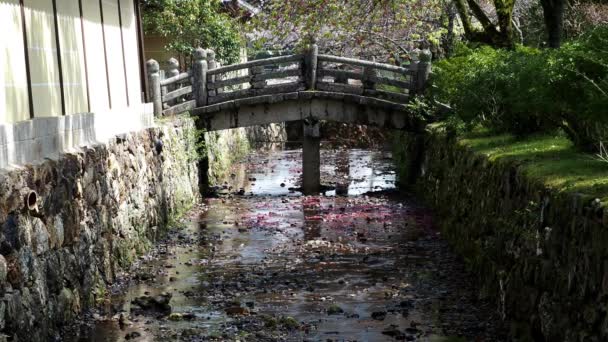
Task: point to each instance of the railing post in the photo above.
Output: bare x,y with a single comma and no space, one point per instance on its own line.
213,64
220,77
413,77
199,77
172,70
311,67
154,83
368,78
424,70
420,70
256,83
163,89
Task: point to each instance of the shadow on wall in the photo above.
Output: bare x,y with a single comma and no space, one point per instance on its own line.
49,73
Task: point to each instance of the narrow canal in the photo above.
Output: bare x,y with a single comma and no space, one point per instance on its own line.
261,262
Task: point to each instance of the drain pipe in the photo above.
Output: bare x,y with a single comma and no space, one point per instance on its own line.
31,201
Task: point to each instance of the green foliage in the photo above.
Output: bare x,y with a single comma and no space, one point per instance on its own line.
421,107
484,86
526,90
579,87
191,24
200,146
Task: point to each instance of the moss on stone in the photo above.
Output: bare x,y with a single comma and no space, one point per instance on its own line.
289,323
551,159
224,148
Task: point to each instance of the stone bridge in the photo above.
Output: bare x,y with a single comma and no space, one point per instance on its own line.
308,87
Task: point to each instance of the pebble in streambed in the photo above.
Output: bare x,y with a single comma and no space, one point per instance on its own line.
278,266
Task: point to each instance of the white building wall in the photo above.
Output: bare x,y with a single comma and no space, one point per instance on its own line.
101,86
72,57
93,32
14,101
116,68
43,61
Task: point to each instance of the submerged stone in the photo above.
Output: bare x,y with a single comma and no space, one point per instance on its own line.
335,310
379,315
158,303
237,311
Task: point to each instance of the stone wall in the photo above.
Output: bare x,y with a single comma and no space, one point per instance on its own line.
271,133
543,255
96,209
223,148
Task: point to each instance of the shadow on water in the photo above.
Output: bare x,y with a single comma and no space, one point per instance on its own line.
262,262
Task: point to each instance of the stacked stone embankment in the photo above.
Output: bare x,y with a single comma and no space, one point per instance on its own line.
541,254
90,213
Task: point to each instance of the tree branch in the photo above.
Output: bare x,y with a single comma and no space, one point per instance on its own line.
480,15
393,41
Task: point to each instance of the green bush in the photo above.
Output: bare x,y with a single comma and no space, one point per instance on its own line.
495,88
579,88
527,90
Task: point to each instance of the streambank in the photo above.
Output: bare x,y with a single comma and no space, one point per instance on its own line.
87,216
537,245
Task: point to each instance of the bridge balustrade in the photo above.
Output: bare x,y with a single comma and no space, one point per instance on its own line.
208,83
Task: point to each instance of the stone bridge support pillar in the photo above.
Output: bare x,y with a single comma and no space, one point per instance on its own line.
311,157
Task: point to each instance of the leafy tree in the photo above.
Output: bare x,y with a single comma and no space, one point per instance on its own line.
384,29
525,90
193,23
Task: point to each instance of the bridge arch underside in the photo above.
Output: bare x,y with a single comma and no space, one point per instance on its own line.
308,105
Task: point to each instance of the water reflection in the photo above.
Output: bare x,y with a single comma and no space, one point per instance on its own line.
346,172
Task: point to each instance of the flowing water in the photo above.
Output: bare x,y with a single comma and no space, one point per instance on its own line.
261,262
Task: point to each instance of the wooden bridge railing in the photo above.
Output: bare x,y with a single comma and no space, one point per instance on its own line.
209,83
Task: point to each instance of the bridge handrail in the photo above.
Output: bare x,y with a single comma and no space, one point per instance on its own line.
175,79
206,84
254,63
363,63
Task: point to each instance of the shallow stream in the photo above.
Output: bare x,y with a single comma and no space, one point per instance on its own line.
261,262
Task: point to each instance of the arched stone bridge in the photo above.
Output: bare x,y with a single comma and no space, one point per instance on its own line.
308,87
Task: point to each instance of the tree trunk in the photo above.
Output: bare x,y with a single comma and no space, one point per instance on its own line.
490,34
449,39
464,17
504,13
553,11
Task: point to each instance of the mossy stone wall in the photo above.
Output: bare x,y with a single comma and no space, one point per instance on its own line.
223,149
541,254
97,209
